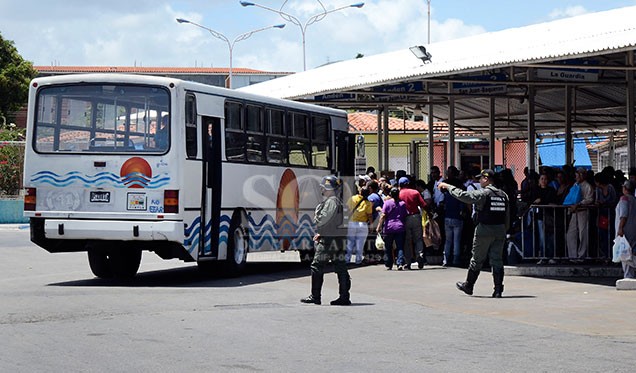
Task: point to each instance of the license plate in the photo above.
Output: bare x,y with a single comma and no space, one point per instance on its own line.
100,197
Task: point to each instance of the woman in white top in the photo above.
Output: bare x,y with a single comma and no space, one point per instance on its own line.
626,224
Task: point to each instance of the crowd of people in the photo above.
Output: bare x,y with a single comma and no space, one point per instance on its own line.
477,211
566,214
574,210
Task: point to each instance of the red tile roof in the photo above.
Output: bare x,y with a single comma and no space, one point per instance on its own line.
152,70
367,122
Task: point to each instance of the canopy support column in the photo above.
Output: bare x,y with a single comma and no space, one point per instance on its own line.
631,129
532,135
431,137
385,129
491,135
451,128
380,160
569,144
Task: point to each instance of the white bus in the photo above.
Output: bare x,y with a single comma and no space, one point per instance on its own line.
116,164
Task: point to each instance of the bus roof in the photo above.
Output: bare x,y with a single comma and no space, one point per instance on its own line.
194,86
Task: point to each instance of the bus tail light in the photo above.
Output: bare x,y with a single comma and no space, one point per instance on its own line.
29,199
171,201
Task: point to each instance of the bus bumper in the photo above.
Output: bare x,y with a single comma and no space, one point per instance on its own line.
131,230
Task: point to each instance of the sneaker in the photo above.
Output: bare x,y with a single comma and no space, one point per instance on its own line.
389,268
541,262
400,268
552,261
341,302
310,300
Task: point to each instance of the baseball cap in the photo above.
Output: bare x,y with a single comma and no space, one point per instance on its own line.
487,173
581,170
403,180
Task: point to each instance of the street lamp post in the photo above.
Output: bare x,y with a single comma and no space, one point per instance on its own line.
428,2
230,44
303,26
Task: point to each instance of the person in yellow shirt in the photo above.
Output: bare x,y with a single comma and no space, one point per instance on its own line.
360,216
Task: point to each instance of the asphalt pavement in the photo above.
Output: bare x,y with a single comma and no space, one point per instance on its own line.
55,316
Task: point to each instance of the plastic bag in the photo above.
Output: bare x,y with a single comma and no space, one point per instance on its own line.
432,235
379,242
622,251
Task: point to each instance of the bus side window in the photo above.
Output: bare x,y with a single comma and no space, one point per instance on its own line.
191,126
255,137
320,142
276,140
235,142
299,144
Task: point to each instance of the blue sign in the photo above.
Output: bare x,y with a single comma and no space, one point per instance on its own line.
401,88
480,87
336,97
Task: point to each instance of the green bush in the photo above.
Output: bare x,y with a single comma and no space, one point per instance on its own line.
11,161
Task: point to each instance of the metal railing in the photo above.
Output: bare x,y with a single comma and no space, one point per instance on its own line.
552,233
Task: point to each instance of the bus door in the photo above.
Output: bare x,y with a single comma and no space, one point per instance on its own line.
202,176
344,153
211,194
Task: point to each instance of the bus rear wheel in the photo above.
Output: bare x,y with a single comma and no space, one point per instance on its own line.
237,246
125,262
100,262
121,262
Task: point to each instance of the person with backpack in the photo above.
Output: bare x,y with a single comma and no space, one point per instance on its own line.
328,218
492,207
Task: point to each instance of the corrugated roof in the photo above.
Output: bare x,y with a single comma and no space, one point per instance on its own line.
151,70
581,36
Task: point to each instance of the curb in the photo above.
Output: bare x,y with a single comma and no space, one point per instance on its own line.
564,271
13,227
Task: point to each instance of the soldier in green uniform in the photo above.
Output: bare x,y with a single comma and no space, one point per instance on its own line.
328,244
491,205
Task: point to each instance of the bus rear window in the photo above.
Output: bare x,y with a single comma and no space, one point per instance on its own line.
95,118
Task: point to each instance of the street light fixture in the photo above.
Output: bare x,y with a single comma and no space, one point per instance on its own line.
420,52
303,27
230,45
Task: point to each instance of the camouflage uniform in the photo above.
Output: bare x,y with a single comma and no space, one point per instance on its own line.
329,247
490,233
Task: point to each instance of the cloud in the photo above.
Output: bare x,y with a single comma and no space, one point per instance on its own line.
570,11
380,26
144,32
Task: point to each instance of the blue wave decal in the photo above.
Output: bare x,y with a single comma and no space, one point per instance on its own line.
99,179
266,231
191,241
224,228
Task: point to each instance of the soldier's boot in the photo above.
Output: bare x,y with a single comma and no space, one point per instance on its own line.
344,285
468,285
497,277
316,289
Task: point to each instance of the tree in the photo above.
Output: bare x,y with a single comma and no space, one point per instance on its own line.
15,75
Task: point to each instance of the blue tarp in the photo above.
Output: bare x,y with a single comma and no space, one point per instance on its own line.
552,152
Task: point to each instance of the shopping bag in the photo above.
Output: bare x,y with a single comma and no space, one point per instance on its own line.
622,251
379,242
432,234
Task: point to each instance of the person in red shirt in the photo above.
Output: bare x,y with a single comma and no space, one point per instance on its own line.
414,242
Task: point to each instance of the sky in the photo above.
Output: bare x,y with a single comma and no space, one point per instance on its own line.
145,32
